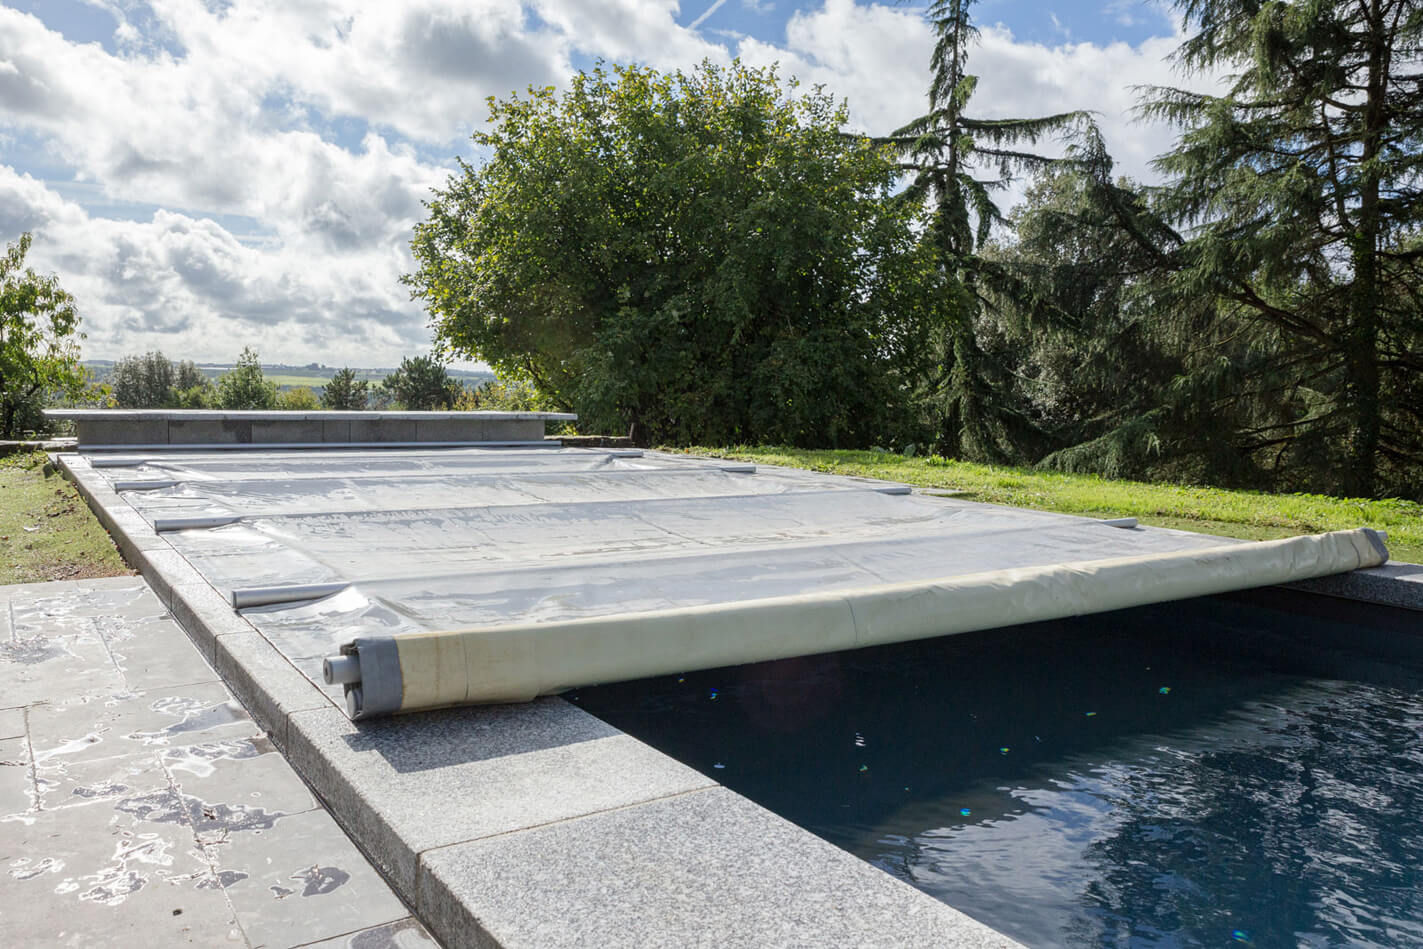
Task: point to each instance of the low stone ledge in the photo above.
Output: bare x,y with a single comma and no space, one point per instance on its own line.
199,427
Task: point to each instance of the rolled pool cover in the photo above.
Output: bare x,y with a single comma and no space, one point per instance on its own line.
519,662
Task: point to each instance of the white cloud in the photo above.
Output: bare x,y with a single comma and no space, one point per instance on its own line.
187,286
311,123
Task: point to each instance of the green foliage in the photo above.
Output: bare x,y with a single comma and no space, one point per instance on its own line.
39,342
686,256
958,162
1244,514
421,383
344,392
153,381
187,376
244,387
500,395
1295,198
201,396
299,399
141,382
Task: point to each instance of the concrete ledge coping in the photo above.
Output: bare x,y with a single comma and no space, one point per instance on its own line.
264,415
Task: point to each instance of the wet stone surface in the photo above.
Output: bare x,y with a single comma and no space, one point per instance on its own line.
141,806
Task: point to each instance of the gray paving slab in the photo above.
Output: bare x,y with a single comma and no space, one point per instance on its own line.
402,934
407,784
145,810
62,783
646,875
12,723
17,787
120,874
155,653
105,726
36,668
302,880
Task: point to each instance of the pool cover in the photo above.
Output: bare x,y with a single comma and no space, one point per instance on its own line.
422,578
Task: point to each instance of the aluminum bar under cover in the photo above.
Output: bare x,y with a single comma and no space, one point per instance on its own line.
519,662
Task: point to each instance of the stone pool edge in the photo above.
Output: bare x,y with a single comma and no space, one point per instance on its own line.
477,870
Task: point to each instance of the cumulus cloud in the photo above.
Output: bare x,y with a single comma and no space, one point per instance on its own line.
187,286
248,171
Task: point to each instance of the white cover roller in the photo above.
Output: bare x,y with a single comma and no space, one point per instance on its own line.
518,662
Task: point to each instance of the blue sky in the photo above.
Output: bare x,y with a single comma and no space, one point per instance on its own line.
209,174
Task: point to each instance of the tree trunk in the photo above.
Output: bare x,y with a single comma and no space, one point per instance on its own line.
1361,360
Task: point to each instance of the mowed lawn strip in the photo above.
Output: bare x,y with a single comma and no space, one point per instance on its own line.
47,532
1245,514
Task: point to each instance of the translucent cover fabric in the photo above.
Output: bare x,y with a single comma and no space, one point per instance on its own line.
427,541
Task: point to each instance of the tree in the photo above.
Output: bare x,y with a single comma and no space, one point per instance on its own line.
948,150
244,387
691,257
39,341
187,375
298,399
421,383
142,382
1294,202
344,392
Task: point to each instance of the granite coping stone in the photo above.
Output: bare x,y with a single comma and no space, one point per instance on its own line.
406,784
647,875
1395,584
267,683
207,615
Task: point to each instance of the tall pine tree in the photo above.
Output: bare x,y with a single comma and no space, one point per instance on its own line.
959,162
1295,202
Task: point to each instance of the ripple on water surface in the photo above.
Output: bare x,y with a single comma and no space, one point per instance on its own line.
1238,771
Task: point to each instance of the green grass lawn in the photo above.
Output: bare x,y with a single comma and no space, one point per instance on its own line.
47,532
1245,514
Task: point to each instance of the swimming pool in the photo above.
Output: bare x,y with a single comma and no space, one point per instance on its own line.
1233,770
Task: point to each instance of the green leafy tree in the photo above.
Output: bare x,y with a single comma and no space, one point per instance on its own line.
244,386
421,383
201,396
1294,199
39,342
153,381
1099,382
142,382
958,162
698,256
345,392
298,399
187,375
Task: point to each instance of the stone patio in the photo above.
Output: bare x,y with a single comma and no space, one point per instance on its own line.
141,805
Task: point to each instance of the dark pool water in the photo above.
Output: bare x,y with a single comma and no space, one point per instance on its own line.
1230,771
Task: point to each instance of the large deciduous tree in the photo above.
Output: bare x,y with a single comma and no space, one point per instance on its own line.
697,256
39,341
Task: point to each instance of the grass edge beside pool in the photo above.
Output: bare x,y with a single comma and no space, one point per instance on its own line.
47,532
1248,515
